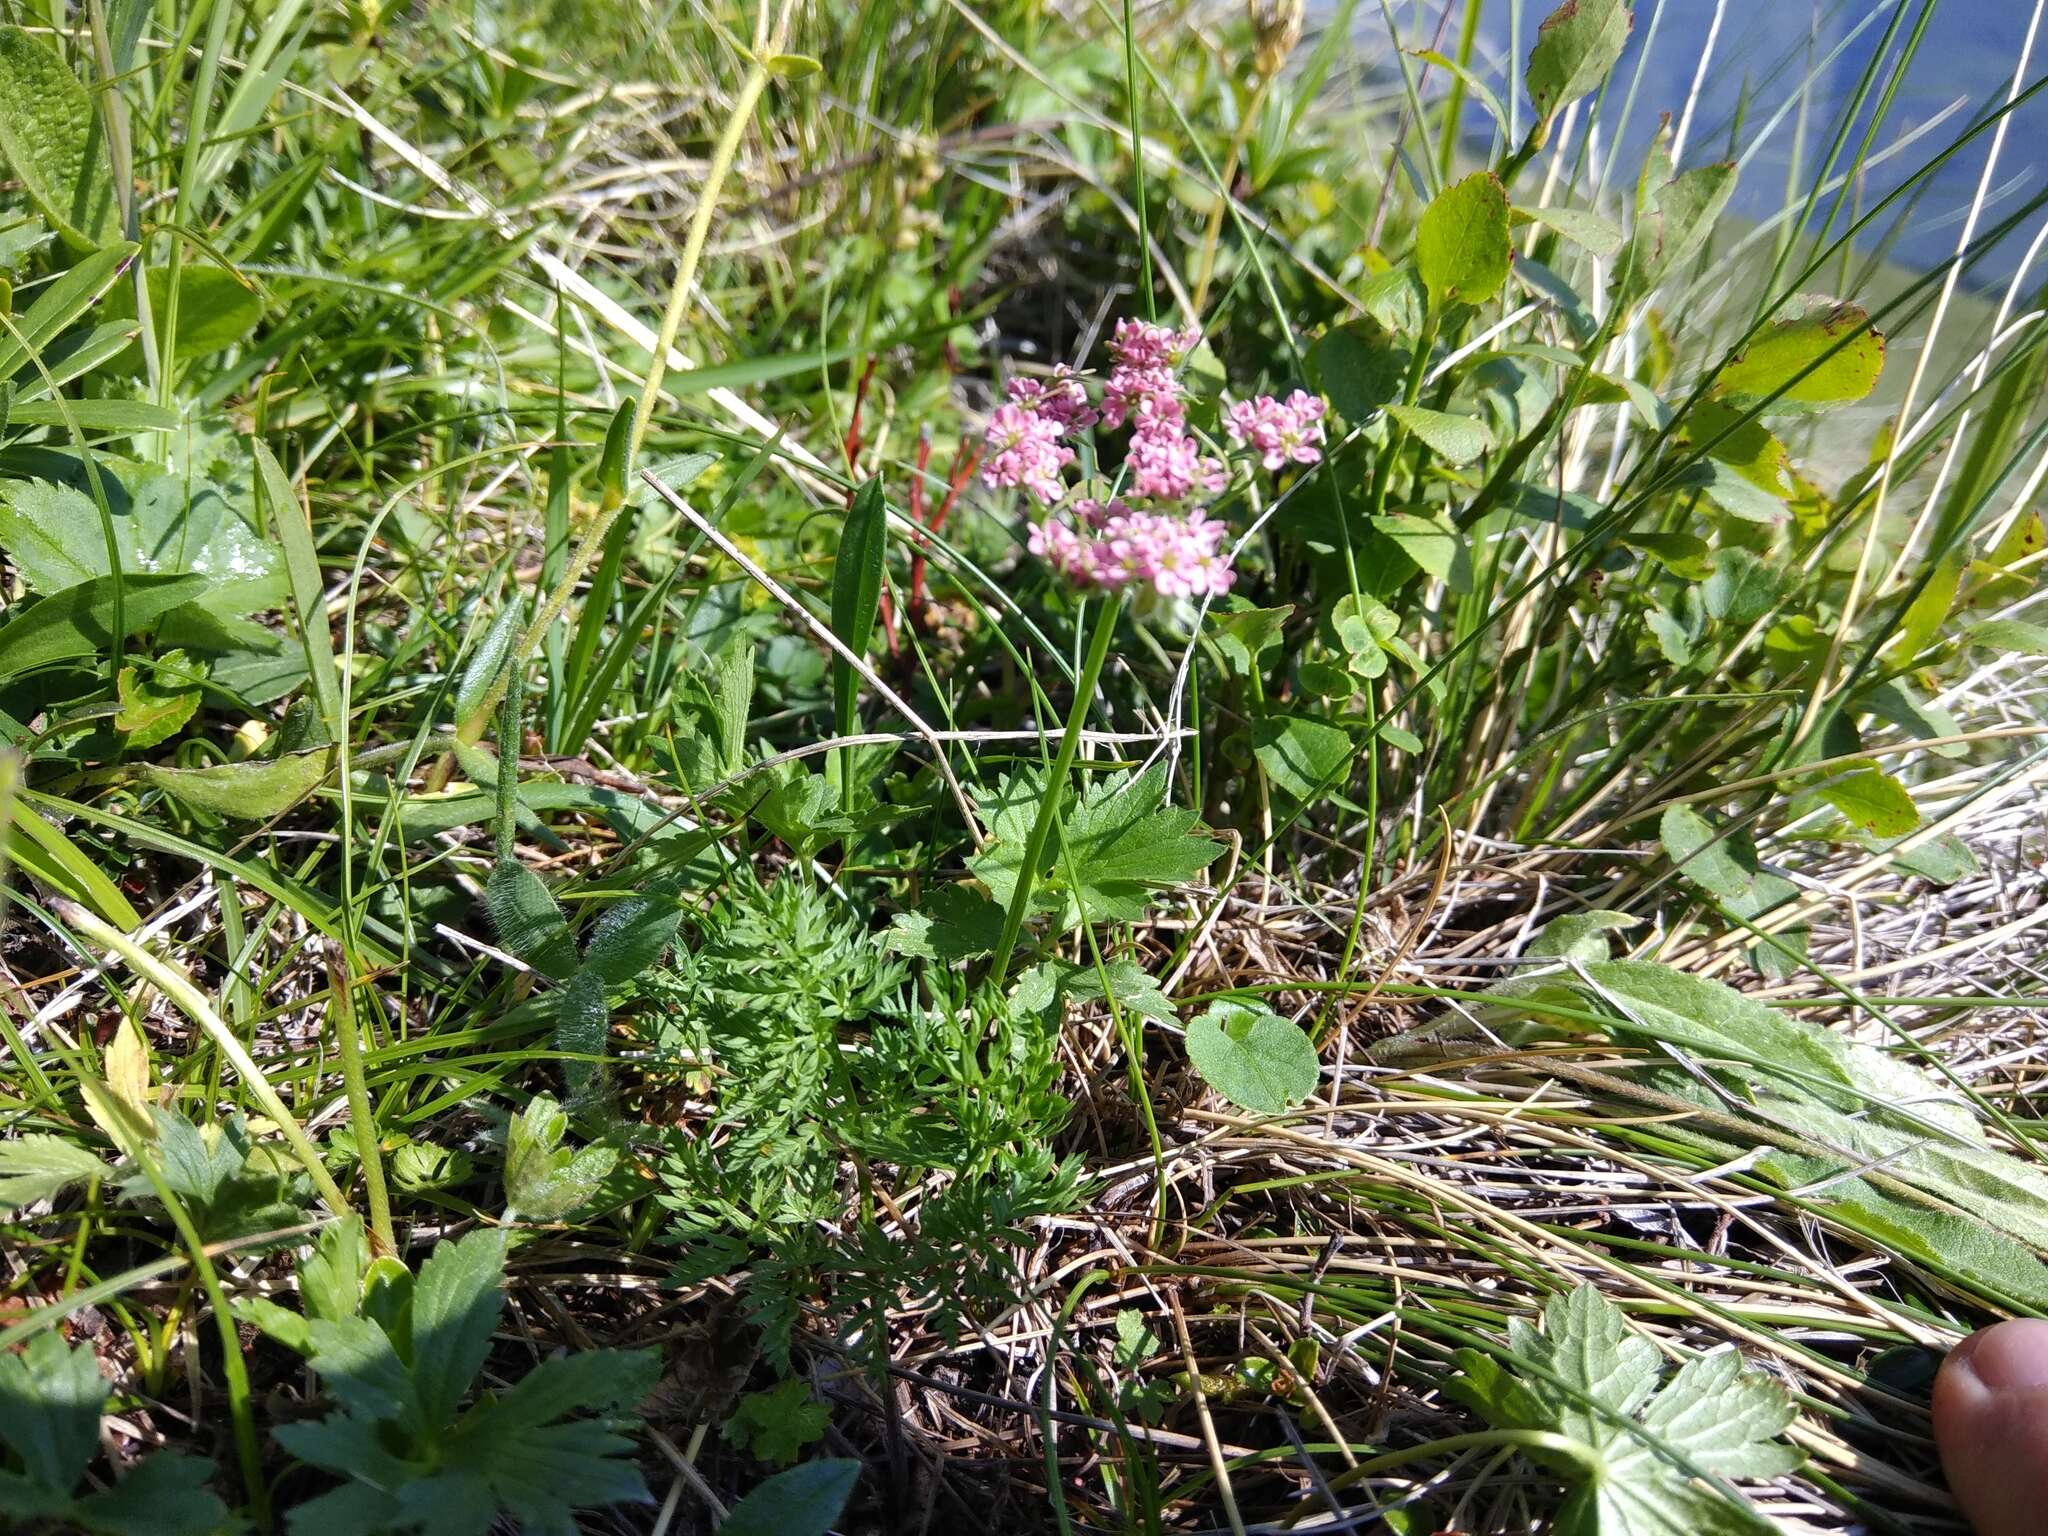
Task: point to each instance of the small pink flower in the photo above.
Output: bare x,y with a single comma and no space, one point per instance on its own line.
1140,395
1165,464
1279,431
1061,398
1139,344
1024,449
1176,555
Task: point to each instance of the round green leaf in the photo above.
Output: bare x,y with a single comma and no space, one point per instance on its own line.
1462,246
1826,355
1873,801
1255,1059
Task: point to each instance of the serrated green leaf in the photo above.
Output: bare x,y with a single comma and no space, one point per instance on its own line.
37,1166
50,1401
1576,45
156,704
1050,985
1463,249
1125,845
163,1494
1255,1059
1634,1453
956,923
163,525
455,1307
777,1424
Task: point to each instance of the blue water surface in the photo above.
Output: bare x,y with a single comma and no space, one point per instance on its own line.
1762,51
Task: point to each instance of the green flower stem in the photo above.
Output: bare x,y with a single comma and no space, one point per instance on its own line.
1062,765
341,975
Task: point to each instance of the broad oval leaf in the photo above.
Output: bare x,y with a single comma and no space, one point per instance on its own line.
1871,800
217,307
1304,757
1576,45
1359,367
1600,235
1255,1059
1454,439
1826,355
1462,246
50,134
804,1501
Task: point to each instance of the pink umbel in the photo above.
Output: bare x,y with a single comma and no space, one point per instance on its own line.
1279,431
1178,554
1024,449
1156,540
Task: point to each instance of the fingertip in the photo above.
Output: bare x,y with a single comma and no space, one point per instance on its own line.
1991,1426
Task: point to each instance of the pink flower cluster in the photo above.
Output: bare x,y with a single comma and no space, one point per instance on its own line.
1173,548
1177,554
1280,431
1024,448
